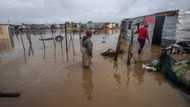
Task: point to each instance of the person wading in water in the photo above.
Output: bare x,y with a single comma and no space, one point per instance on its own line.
86,49
142,36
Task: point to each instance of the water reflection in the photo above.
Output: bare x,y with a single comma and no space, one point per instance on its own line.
115,65
66,43
5,45
17,33
44,46
23,46
116,74
117,77
55,53
61,47
128,76
87,83
28,38
139,73
30,48
71,45
159,78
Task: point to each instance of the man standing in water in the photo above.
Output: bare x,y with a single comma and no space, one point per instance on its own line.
86,50
142,36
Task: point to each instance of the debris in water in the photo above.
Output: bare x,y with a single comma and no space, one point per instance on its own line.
153,66
185,45
59,38
148,67
111,53
103,41
9,94
46,39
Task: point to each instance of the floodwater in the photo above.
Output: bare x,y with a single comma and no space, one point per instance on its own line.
47,77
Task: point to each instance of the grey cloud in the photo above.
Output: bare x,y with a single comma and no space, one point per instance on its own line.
55,11
142,7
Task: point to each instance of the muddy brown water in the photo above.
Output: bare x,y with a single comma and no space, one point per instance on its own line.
48,79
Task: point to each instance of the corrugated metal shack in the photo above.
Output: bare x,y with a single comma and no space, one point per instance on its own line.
183,28
162,27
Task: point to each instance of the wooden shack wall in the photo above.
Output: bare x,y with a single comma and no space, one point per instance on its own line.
5,38
4,32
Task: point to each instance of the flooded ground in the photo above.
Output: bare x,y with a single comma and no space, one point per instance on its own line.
49,78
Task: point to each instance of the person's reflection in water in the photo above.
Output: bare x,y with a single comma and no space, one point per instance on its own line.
24,49
128,76
116,74
115,65
87,83
30,48
159,78
138,73
117,77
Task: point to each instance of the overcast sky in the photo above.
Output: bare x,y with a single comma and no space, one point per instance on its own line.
59,11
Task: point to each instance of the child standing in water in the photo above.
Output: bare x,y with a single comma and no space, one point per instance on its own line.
87,49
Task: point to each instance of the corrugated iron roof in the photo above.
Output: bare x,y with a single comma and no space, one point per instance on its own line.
164,13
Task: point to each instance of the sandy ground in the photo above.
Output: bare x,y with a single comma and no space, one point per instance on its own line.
47,79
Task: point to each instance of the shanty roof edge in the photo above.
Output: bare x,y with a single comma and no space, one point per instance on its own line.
164,13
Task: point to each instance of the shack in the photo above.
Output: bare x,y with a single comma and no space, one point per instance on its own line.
162,27
6,40
183,27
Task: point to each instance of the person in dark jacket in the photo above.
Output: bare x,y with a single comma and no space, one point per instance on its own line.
87,49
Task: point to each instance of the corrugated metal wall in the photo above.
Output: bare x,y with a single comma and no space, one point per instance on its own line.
183,29
169,30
